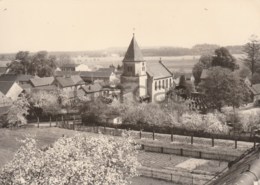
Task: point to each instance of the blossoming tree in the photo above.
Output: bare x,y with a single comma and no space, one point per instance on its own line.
79,160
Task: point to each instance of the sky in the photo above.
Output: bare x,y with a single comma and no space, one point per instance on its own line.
78,25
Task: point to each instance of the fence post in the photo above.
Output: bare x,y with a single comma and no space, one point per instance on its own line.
50,121
171,177
140,134
161,149
235,143
212,141
254,141
38,122
191,139
181,151
171,136
153,134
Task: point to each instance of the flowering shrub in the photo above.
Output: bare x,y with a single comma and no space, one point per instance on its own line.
249,120
211,122
73,161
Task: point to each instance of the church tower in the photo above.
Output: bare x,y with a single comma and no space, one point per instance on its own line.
134,77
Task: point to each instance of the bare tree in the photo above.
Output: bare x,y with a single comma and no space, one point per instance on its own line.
252,52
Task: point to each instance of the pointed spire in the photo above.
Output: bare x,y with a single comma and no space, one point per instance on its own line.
133,53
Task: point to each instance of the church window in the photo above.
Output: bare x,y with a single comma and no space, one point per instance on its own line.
155,86
163,84
166,83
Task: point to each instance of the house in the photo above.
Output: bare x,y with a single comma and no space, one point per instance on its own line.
144,80
18,78
4,101
255,90
44,83
75,67
104,75
10,89
69,83
92,90
3,70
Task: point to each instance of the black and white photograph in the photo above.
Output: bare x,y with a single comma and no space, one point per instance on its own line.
129,92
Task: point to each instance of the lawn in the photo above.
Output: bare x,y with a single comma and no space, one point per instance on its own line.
9,139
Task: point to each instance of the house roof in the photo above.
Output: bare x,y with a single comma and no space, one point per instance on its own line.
69,65
133,53
256,89
42,81
77,80
157,70
204,74
4,110
65,82
96,74
2,70
66,73
5,86
96,87
17,78
242,172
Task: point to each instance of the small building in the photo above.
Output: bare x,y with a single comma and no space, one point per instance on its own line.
112,119
19,79
10,89
45,83
74,67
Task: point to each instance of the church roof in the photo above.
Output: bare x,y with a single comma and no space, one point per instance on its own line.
133,53
157,70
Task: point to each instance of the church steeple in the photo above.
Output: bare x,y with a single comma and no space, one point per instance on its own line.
133,53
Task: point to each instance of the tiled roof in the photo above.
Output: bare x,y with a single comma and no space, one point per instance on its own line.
47,87
3,70
17,78
157,70
256,88
5,86
65,82
92,88
133,52
66,73
77,80
42,81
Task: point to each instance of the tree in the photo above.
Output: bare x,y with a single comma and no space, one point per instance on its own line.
18,111
252,52
205,62
222,87
77,160
224,59
44,102
40,64
21,64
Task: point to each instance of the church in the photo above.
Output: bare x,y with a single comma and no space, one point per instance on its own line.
144,80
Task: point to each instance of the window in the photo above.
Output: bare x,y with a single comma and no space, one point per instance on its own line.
155,86
163,84
159,85
170,82
166,83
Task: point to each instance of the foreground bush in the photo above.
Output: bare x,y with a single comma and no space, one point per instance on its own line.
73,161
